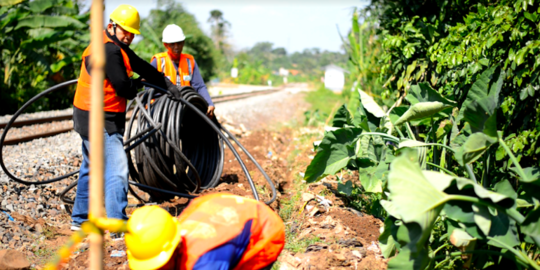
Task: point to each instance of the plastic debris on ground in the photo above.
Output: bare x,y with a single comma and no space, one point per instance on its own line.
9,217
118,253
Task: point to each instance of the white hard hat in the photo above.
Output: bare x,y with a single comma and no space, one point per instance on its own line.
173,33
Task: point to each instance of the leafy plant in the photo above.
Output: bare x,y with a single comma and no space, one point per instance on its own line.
41,45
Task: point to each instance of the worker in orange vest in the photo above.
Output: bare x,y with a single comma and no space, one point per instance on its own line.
118,87
179,67
215,231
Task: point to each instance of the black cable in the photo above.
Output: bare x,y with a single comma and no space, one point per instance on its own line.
168,153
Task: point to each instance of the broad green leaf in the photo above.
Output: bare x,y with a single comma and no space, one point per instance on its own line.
461,239
447,183
503,229
38,6
416,200
414,196
481,89
386,240
531,225
406,260
532,174
482,218
480,119
370,105
459,211
421,110
346,188
390,208
333,154
342,117
423,92
397,112
504,187
41,21
473,148
372,178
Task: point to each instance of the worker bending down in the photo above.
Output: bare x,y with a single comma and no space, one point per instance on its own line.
217,231
179,67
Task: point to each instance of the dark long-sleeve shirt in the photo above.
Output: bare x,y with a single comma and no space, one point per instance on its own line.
115,71
197,81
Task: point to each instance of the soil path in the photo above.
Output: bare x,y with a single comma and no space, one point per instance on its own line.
319,236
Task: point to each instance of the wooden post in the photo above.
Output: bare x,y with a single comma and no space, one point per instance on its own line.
97,119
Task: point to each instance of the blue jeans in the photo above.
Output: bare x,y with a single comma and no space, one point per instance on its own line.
116,179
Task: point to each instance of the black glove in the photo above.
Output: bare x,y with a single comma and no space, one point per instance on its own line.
136,83
174,92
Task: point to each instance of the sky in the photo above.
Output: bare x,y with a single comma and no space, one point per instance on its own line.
294,25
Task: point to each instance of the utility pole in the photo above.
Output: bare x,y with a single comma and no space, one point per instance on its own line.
96,130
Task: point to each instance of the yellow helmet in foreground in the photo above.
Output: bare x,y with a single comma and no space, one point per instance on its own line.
127,17
153,235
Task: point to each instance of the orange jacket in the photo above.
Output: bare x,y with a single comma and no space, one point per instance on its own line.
185,68
213,220
113,103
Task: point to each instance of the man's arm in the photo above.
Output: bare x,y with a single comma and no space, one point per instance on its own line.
115,71
198,84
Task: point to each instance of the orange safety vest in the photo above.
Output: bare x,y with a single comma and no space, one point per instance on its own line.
185,69
113,103
213,220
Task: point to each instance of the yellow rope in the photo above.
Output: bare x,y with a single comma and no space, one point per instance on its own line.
93,225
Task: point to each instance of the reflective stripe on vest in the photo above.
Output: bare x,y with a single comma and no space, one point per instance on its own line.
112,102
183,77
212,220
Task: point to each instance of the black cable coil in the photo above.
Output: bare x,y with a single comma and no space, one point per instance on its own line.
199,164
170,159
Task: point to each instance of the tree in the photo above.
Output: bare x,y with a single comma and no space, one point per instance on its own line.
197,43
219,30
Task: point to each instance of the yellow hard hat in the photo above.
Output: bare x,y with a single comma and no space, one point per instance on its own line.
152,237
128,17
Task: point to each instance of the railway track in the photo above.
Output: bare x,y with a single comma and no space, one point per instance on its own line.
11,140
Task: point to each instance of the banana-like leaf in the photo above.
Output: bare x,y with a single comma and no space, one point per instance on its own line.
480,119
44,21
370,105
38,6
485,86
333,154
473,148
422,110
423,92
342,117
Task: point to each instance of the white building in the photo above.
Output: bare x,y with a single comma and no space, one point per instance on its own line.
334,78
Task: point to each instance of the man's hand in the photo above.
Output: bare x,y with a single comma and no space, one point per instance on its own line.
174,92
210,112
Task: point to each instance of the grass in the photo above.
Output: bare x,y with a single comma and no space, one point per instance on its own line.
325,100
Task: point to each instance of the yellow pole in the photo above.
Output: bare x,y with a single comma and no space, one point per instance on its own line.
97,59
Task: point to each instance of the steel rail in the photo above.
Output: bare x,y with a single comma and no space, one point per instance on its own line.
65,117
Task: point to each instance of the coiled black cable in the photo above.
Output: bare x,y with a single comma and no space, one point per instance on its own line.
186,163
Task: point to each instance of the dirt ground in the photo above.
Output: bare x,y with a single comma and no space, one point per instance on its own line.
323,231
319,237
